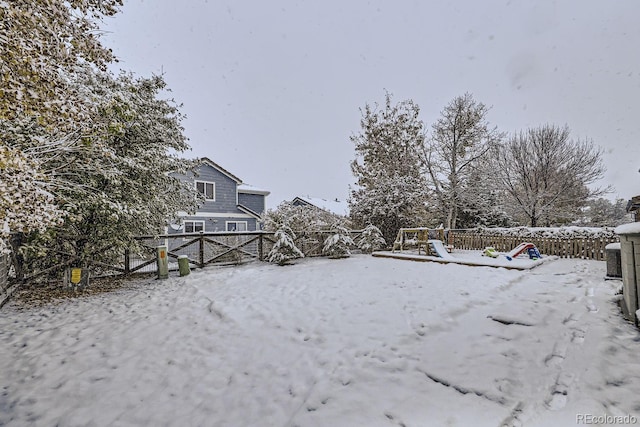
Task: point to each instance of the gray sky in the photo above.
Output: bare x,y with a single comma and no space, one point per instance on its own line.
272,90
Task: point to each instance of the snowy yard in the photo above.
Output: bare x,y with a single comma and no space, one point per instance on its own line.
357,342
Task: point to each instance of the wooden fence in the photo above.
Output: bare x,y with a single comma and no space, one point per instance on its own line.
579,247
202,249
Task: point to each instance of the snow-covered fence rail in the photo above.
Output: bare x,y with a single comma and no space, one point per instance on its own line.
564,247
201,249
204,249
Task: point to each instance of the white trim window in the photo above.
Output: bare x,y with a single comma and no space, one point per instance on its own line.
236,225
207,189
193,226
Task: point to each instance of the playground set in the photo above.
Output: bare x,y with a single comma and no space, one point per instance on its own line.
434,245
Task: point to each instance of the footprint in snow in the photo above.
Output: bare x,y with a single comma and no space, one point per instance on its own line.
591,307
557,401
577,336
560,392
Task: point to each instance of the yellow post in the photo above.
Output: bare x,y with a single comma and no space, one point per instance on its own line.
163,262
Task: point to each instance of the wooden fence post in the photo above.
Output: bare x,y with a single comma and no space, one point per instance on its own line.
127,259
260,248
201,251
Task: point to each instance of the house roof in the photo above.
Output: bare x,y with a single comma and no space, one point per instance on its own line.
633,204
214,165
336,206
250,189
251,212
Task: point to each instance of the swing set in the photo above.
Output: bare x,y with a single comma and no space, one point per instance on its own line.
410,238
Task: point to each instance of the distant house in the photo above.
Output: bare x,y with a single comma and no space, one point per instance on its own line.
230,205
634,206
336,207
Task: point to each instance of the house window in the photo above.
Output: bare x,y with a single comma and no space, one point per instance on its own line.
193,226
236,225
207,189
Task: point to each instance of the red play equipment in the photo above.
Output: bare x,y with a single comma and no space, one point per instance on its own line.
529,247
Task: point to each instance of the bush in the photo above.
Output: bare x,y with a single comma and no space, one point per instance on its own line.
284,250
371,239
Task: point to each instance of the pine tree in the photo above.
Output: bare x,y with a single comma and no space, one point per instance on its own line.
337,244
390,185
371,239
484,202
284,250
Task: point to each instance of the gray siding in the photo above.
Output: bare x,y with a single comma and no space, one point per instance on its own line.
216,224
255,202
225,205
225,190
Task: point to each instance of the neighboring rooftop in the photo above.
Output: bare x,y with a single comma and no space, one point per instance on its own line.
633,204
338,207
246,188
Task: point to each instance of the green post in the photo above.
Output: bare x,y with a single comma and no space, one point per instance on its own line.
163,262
183,265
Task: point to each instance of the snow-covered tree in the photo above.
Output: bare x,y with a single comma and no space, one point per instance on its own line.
547,174
484,202
337,244
601,212
390,185
300,218
460,138
371,239
284,249
25,204
43,42
113,175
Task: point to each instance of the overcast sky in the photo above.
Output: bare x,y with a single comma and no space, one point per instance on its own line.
273,90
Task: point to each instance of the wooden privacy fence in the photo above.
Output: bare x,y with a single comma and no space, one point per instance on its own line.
578,247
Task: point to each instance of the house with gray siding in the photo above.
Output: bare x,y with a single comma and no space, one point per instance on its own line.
229,204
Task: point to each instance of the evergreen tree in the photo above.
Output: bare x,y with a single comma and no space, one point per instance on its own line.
390,185
601,212
484,202
284,249
371,239
337,244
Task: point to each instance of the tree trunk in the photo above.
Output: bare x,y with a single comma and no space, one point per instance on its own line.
16,257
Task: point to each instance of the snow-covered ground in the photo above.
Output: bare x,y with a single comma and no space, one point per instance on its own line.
354,342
